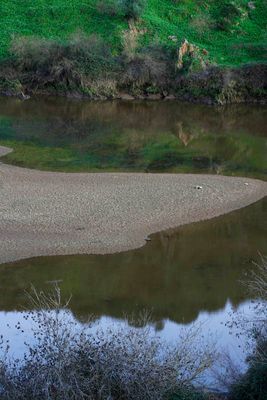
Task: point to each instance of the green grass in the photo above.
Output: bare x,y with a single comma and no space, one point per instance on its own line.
192,19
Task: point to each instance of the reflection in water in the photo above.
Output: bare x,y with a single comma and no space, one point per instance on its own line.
177,275
211,327
184,275
150,136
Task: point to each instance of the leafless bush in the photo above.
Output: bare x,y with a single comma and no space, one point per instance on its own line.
252,328
253,383
68,362
226,372
48,63
144,71
254,325
258,287
258,282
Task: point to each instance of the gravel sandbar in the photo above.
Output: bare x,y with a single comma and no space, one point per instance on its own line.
48,213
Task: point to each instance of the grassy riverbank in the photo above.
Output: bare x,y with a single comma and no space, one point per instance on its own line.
232,35
100,49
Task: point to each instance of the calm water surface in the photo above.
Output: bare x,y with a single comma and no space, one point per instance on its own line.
177,275
182,276
69,135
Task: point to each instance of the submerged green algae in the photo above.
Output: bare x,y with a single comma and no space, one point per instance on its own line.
75,136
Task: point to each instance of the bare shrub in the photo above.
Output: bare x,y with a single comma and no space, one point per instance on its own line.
31,52
47,63
69,362
151,68
253,329
258,283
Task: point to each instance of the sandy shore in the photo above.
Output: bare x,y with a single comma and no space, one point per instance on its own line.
46,213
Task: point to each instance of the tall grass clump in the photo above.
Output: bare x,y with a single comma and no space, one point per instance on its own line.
69,362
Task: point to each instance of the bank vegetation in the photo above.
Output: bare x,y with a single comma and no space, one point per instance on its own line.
135,61
65,361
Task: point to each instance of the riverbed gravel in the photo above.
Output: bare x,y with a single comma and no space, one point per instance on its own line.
48,213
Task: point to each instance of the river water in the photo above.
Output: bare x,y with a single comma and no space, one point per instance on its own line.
183,276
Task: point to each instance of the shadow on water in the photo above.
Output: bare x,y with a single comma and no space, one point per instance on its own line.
177,275
72,135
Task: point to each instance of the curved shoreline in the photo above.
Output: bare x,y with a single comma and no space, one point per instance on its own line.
50,213
5,150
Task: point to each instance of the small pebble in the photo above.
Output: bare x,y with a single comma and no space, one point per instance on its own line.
198,187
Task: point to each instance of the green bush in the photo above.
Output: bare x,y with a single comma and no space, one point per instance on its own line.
11,87
91,54
226,14
132,9
128,9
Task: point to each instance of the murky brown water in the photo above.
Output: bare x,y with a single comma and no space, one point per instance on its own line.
177,275
72,135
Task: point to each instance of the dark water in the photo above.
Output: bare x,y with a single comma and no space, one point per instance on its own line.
72,135
186,276
177,275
